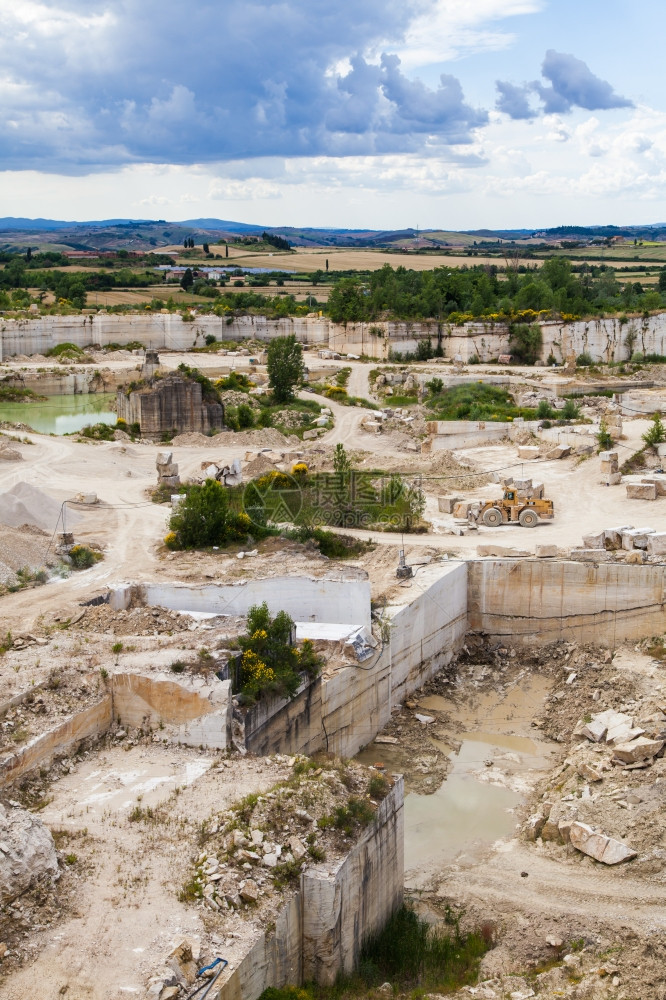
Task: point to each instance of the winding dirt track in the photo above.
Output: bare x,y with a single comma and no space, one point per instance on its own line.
552,887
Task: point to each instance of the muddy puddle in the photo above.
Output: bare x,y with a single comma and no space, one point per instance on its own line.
494,757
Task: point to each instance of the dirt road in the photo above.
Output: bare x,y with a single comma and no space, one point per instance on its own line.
553,887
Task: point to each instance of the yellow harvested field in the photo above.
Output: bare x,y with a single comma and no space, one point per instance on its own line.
349,259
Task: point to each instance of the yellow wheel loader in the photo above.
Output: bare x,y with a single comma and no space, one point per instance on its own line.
512,509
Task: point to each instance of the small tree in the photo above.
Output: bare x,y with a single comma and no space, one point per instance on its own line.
655,434
204,518
544,411
603,437
270,660
285,367
570,411
187,280
525,342
341,461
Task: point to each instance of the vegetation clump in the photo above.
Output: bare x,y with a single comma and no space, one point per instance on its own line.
655,434
271,661
205,518
410,954
83,557
284,361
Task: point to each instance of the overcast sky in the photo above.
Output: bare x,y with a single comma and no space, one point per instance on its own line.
452,114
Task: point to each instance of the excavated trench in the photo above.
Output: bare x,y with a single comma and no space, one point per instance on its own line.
468,771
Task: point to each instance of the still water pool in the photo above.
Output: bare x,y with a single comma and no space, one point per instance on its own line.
61,414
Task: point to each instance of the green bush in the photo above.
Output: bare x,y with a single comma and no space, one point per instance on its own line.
544,410
525,341
330,544
205,518
435,386
270,661
655,434
98,432
570,411
584,360
245,415
83,557
378,786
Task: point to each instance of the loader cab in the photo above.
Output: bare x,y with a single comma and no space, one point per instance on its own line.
509,495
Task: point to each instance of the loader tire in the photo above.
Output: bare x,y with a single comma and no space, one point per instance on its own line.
492,518
528,518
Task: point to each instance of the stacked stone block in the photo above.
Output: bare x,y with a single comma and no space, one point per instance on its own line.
167,470
610,468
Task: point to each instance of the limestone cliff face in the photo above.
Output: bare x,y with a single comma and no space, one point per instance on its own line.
170,404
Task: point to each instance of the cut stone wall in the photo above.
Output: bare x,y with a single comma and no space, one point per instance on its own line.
345,904
284,725
58,742
537,602
445,435
320,930
422,637
201,709
172,403
603,339
342,597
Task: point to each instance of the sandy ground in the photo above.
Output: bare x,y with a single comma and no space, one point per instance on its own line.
559,893
129,526
125,915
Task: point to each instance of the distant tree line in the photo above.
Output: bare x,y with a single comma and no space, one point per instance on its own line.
484,291
279,242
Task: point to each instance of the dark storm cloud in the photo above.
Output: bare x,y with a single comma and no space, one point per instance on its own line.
90,85
571,84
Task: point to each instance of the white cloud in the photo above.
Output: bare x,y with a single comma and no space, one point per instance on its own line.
446,29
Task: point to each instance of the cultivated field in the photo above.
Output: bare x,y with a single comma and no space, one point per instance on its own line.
349,259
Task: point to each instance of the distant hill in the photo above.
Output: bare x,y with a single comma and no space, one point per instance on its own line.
146,235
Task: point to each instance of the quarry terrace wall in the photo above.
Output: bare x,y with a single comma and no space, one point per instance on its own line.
537,601
320,930
343,712
603,339
342,597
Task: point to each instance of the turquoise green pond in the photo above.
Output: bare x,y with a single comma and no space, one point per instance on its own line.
61,414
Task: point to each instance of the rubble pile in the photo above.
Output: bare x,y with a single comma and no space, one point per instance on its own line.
259,846
624,543
134,621
45,706
253,854
606,798
228,475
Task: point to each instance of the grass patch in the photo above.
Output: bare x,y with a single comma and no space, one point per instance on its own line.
476,402
410,954
13,394
67,350
349,818
330,544
25,578
635,462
